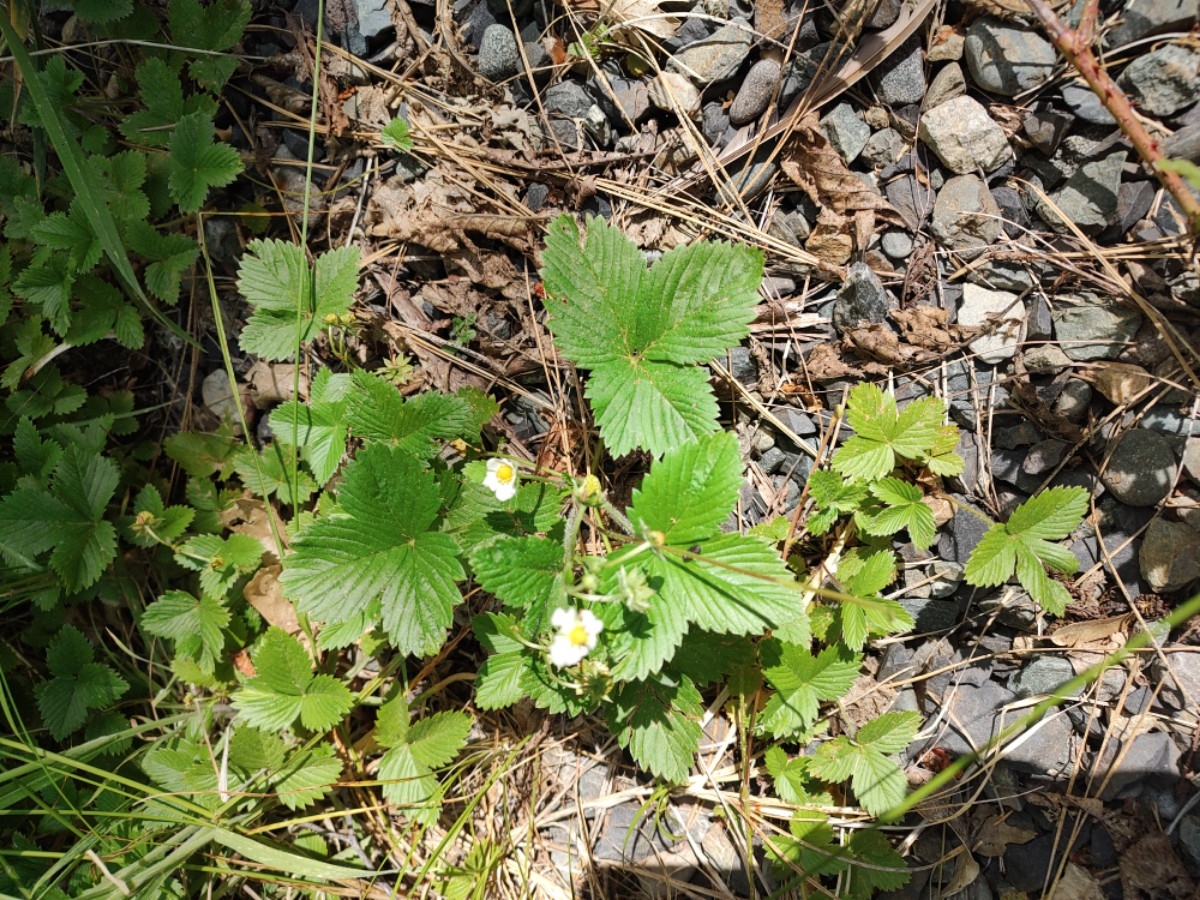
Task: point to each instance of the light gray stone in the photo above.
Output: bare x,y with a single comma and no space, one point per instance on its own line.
499,57
715,57
965,215
847,132
981,306
1191,459
569,99
1163,81
1007,58
374,17
755,93
1181,679
896,244
1141,469
1092,327
1088,199
1170,555
964,136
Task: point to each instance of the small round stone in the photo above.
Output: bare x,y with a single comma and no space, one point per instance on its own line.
1141,470
755,93
499,57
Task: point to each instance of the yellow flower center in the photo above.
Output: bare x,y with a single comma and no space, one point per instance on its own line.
505,473
578,636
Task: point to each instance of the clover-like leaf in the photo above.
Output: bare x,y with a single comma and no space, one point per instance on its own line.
884,434
285,688
802,681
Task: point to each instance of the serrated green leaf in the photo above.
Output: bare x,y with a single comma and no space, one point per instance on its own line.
877,781
99,11
659,726
882,433
79,685
438,738
1022,545
196,163
318,427
503,675
395,135
905,509
890,732
275,278
162,93
641,331
285,687
381,546
213,26
874,865
307,776
802,681
690,491
523,572
793,781
252,749
706,658
375,411
405,782
1051,515
808,850
194,623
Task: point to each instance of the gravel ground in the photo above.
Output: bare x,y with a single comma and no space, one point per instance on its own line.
978,228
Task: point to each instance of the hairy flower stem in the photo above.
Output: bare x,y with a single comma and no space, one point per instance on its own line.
1076,45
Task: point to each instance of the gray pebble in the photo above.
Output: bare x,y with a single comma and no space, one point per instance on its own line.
1169,558
847,132
1092,327
1045,128
755,93
965,215
1042,675
901,78
897,244
1142,17
1082,101
1007,58
716,57
499,57
1089,198
1141,469
1163,81
883,148
948,83
862,297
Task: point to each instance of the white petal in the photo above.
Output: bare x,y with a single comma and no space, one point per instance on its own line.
564,654
563,618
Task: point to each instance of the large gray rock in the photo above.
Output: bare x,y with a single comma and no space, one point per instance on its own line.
964,137
1089,199
1042,675
1007,58
1163,81
1141,469
716,57
1170,555
965,215
981,306
1092,327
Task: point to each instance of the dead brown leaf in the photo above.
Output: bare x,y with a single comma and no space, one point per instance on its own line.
265,594
272,383
1094,631
925,326
824,363
1150,869
1118,382
251,516
867,699
878,342
996,834
966,870
1077,883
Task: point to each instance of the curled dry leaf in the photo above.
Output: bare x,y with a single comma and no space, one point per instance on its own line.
272,383
1120,383
643,14
265,594
996,834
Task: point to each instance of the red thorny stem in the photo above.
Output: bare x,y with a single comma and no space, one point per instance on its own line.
1076,45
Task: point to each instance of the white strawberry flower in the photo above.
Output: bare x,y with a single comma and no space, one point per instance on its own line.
577,633
501,478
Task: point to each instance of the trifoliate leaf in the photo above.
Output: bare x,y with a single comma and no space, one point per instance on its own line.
79,685
307,776
1023,545
690,491
203,455
883,434
395,135
197,164
172,255
375,411
153,522
942,459
793,781
832,498
49,285
319,427
802,681
271,472
275,278
285,687
878,781
415,750
194,624
863,575
162,93
809,849
904,509
220,561
381,545
642,332
523,572
68,519
72,233
659,725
